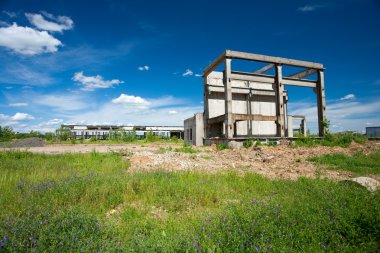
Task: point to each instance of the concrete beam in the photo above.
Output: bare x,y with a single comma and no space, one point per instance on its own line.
271,59
242,117
241,90
214,64
303,73
300,83
254,117
264,69
244,76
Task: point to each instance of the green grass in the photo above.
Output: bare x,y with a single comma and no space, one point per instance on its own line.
330,140
358,163
62,203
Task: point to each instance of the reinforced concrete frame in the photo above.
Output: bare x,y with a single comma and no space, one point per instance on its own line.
278,80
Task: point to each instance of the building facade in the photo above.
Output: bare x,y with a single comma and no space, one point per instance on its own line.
102,132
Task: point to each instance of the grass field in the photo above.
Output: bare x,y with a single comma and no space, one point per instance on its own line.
89,202
358,163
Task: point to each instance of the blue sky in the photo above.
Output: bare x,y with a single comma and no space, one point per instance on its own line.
139,62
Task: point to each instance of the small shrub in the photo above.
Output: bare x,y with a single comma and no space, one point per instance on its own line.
93,139
221,146
248,143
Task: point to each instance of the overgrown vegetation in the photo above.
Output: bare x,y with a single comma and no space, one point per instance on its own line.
7,134
342,140
63,136
89,202
359,163
186,148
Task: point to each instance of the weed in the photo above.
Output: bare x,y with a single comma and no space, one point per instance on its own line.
358,163
221,146
60,203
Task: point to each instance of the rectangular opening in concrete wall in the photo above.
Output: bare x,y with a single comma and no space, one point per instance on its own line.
302,101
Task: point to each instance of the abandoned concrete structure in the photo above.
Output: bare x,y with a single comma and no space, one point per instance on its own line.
241,105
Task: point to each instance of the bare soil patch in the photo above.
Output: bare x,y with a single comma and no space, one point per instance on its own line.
273,162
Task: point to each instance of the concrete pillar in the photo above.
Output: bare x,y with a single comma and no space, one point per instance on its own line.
303,124
206,109
279,88
321,101
290,126
228,100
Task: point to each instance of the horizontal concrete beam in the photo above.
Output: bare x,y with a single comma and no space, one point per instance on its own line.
244,76
298,82
271,59
255,117
241,90
242,117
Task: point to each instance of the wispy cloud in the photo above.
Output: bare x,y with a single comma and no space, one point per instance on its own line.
18,104
27,41
17,73
348,97
343,114
143,68
309,8
10,14
55,24
188,72
91,83
69,102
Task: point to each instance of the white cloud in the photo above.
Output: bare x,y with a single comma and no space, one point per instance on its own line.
54,122
188,72
147,116
69,102
134,102
61,22
198,75
3,116
172,112
343,114
348,97
8,87
18,104
27,41
308,8
21,116
91,83
144,68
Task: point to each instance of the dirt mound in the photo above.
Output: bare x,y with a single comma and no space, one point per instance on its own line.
24,143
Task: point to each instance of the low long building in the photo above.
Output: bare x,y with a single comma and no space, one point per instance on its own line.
102,132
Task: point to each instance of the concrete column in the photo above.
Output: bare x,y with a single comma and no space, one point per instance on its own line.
205,105
280,102
290,126
228,100
321,100
303,123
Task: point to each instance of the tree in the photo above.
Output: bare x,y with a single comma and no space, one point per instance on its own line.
6,133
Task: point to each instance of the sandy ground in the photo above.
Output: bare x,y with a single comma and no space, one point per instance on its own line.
273,162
